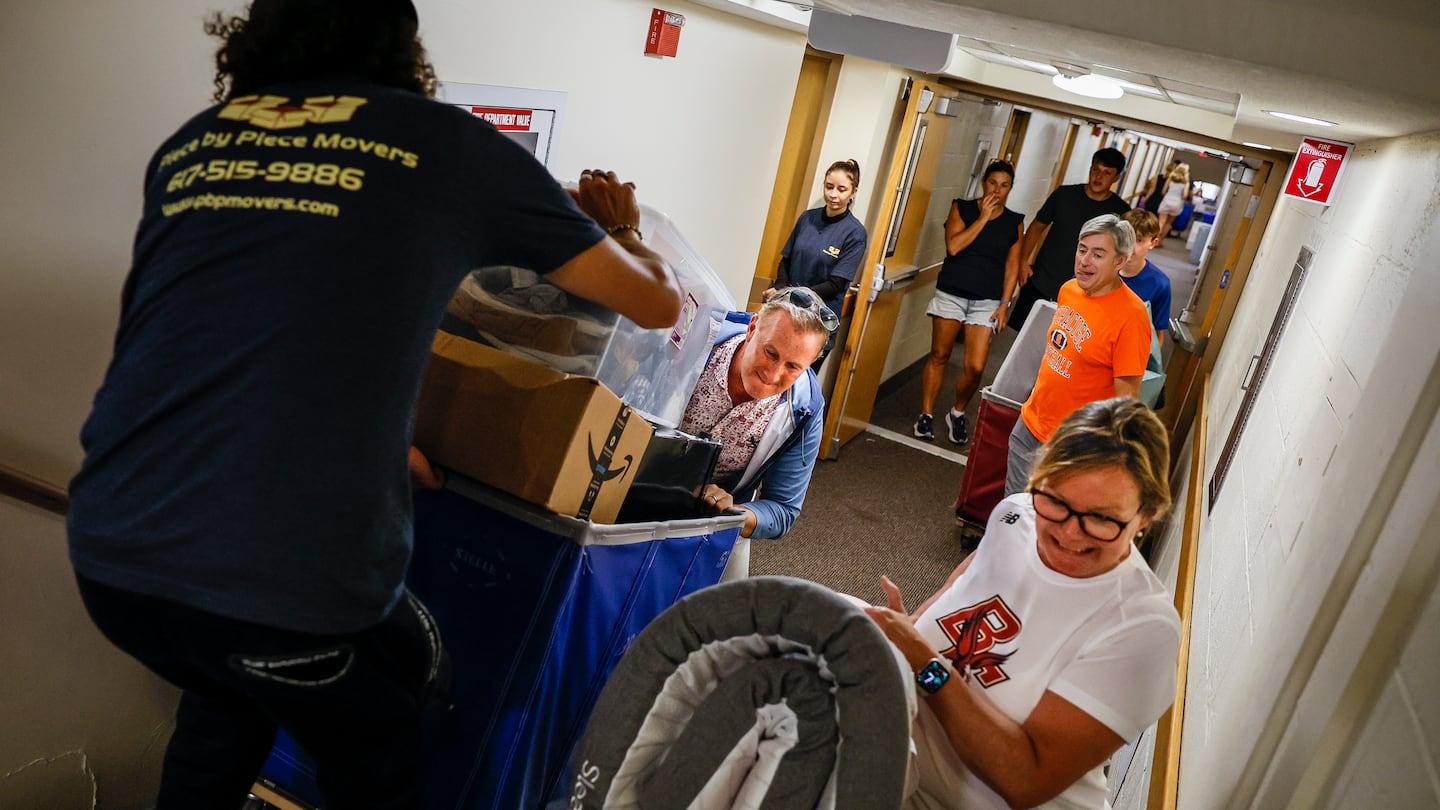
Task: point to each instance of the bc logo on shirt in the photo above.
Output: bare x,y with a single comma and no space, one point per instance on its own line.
976,630
833,252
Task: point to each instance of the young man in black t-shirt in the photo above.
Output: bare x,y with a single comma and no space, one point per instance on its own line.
1056,230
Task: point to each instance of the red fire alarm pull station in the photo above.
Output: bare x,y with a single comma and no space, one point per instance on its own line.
664,36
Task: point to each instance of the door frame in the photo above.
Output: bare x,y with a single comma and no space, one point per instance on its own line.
815,85
851,401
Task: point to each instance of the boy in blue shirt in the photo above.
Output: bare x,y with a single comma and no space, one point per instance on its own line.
1142,276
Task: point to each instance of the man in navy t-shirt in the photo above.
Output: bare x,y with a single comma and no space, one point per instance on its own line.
241,523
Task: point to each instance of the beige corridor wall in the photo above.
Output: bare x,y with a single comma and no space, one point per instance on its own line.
860,114
1283,532
700,134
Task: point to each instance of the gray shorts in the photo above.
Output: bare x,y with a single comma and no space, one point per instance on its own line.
1024,447
978,311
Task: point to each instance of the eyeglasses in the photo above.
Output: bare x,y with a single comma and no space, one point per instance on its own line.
1101,527
805,299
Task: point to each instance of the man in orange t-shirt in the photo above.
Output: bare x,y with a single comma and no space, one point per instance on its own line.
1098,344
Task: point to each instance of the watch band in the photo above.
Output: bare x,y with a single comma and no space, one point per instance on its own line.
932,676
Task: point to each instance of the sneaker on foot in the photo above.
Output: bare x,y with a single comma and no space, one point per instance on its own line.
959,433
925,427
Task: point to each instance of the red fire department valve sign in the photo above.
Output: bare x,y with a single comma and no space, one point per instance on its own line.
664,36
505,118
1317,169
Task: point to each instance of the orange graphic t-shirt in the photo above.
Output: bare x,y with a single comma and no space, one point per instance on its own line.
1091,342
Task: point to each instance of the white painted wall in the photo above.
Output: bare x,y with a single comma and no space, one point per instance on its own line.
1403,734
1038,160
81,719
1078,169
1328,422
699,134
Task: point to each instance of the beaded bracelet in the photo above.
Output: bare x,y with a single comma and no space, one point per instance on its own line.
625,226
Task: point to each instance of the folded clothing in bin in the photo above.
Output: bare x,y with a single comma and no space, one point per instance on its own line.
651,370
517,310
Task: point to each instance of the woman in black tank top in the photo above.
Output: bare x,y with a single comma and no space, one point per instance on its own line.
973,291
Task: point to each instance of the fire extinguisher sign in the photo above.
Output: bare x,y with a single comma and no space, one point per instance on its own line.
1317,169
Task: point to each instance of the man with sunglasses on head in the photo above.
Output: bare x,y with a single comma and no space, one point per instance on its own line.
759,398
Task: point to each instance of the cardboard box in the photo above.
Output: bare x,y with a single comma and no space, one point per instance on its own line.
559,440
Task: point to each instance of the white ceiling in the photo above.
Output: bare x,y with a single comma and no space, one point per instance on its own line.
1373,68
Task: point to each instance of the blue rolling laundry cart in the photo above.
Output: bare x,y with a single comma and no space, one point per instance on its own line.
536,610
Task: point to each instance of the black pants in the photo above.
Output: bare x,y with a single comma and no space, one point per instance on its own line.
353,702
1025,300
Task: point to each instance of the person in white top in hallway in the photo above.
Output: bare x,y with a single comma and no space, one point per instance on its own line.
1176,194
1053,644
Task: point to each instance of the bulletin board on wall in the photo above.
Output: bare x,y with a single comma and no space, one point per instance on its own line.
529,117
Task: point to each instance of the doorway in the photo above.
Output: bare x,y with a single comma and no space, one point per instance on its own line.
892,259
795,176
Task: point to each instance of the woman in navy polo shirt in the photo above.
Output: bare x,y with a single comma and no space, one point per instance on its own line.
826,246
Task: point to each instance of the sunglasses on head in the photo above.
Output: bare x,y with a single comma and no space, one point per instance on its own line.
805,299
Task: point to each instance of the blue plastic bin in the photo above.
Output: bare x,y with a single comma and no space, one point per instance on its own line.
536,610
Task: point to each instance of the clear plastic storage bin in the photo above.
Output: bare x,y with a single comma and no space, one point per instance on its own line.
652,370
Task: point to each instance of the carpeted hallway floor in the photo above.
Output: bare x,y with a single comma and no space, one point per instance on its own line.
882,508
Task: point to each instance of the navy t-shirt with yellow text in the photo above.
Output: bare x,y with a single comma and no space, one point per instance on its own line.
246,453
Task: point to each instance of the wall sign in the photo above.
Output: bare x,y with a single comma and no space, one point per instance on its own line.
1317,169
528,117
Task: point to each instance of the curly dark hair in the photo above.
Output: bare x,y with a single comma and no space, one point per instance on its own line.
293,40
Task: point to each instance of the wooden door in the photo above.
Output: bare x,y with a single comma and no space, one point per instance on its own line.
889,265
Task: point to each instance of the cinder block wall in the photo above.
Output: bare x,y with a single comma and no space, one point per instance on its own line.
1286,531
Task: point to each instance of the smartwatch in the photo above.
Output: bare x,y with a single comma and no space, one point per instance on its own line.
932,676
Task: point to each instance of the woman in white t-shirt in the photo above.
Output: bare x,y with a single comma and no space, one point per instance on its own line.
1053,644
1177,193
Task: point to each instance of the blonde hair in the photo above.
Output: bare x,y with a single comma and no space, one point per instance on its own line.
806,318
1146,224
1179,174
1119,432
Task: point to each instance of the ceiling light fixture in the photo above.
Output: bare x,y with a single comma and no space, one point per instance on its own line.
1304,119
1088,85
1257,145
